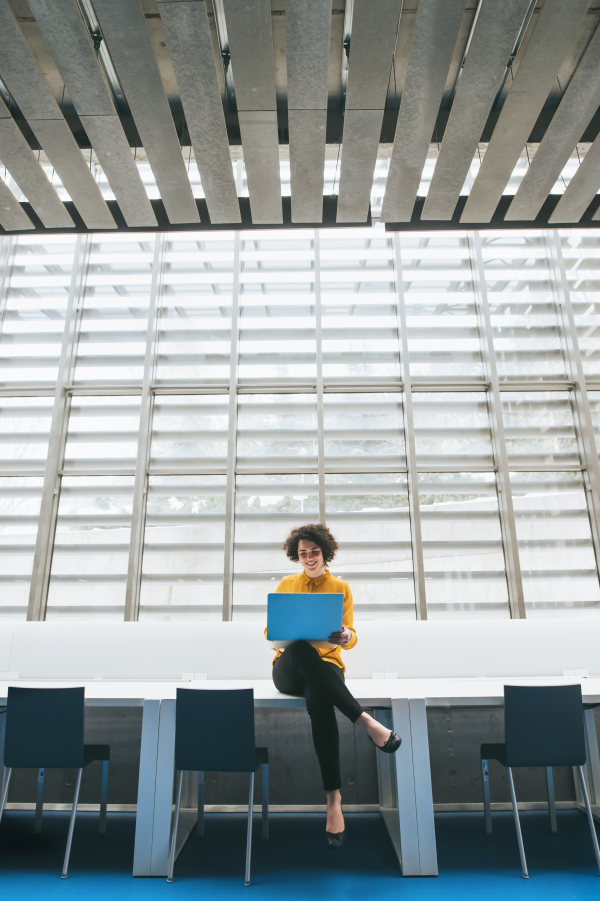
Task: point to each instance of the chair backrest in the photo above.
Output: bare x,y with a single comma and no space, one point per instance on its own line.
543,725
44,727
214,730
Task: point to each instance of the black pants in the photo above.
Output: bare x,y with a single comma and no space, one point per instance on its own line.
300,670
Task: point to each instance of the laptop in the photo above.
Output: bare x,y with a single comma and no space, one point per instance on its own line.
311,617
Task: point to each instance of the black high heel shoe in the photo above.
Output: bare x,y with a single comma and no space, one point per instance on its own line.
391,745
335,840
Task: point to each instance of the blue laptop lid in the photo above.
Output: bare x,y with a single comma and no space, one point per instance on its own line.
291,617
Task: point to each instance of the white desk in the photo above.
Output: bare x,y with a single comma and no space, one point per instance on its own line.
406,802
439,663
405,795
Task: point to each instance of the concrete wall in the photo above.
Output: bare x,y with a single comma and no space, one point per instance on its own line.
454,735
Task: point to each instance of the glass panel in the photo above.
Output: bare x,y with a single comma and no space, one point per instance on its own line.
462,546
103,433
539,427
195,320
114,323
34,319
91,550
594,399
183,548
359,308
277,312
581,253
24,430
522,308
267,508
441,318
363,429
555,544
452,428
277,431
190,432
19,511
368,514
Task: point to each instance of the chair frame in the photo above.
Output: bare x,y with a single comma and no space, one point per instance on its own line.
200,824
39,806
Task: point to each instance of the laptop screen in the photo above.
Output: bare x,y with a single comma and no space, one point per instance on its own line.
292,617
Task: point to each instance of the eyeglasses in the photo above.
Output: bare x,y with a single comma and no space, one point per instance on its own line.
315,554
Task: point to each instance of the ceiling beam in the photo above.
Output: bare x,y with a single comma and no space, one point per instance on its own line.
436,31
491,44
575,110
188,37
558,25
307,35
69,42
581,190
24,167
124,28
12,215
372,44
252,62
20,73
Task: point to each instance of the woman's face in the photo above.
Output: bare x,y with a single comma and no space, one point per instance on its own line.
311,558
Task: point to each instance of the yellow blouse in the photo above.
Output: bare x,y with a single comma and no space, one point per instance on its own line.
325,584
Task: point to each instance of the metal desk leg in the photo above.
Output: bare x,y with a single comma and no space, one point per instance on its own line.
397,790
592,768
163,796
2,734
423,790
144,823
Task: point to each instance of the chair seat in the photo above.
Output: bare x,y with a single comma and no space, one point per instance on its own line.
261,755
494,752
95,752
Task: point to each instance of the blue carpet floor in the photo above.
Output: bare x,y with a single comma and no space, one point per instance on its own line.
296,861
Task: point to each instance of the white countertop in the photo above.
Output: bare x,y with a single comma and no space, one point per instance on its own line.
437,692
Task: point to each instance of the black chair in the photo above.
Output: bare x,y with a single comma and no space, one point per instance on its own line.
214,731
44,729
543,726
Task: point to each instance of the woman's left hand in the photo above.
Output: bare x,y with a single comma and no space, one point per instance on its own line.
342,638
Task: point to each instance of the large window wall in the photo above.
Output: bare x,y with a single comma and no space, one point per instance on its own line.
172,405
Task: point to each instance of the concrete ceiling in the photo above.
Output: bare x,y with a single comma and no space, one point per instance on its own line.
273,79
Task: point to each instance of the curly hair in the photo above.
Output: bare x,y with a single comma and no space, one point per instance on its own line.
316,532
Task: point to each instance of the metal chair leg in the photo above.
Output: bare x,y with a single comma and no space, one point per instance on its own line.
72,825
551,803
486,797
249,833
39,802
588,810
7,775
103,799
265,801
200,825
174,829
513,798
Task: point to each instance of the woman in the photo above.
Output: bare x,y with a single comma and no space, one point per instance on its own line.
318,673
